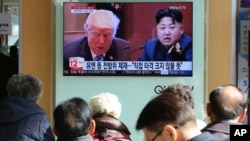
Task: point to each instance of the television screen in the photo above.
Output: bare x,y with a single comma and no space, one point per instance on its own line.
127,39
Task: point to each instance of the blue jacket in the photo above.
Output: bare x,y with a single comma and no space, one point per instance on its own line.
23,120
155,51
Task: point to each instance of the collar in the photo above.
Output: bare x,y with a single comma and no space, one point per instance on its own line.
81,138
94,55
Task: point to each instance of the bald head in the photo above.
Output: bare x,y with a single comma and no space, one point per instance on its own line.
231,96
227,102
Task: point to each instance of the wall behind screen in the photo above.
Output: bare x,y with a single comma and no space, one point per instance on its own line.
133,92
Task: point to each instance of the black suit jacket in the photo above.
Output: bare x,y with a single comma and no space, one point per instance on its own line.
8,67
220,129
80,48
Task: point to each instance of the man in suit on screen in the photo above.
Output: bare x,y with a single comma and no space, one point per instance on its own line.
100,43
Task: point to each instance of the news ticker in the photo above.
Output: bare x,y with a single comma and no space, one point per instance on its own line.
239,132
125,73
78,63
78,66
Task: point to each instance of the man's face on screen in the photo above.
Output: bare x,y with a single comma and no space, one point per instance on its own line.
100,39
168,31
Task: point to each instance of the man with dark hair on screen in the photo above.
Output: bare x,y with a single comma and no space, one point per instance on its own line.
100,43
171,43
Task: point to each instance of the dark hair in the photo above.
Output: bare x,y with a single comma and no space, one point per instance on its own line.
183,91
13,51
175,14
167,108
72,118
226,109
27,86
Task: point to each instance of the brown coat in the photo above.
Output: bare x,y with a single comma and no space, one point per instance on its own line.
110,129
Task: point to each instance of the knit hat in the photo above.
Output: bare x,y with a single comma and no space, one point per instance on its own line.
106,103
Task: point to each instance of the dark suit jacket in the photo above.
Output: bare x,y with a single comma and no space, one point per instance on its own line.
155,51
220,129
8,67
80,48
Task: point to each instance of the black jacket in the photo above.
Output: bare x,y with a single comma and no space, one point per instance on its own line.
220,129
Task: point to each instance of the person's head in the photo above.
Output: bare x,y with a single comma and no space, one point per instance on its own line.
169,26
182,90
185,92
101,26
168,116
227,102
72,118
25,85
105,104
13,51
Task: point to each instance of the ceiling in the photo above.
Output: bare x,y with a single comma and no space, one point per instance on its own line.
10,6
9,1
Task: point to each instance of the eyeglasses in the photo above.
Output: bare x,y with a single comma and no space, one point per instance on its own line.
158,134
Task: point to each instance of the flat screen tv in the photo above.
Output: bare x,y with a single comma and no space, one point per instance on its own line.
142,41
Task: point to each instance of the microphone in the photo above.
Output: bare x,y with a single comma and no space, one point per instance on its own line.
132,51
125,48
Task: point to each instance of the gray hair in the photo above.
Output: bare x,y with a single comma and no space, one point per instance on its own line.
106,103
27,86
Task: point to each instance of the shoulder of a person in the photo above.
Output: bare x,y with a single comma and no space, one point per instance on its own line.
116,39
120,43
205,136
111,135
75,42
186,37
218,126
151,42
